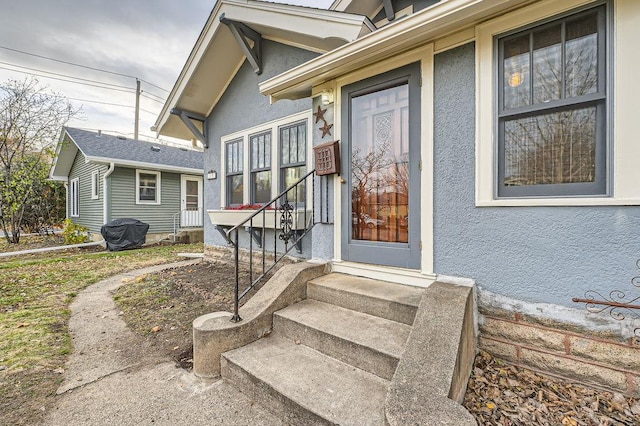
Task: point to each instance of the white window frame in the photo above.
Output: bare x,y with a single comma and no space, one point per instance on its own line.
624,172
158,175
74,197
274,128
95,185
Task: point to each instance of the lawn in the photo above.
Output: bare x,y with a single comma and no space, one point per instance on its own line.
35,293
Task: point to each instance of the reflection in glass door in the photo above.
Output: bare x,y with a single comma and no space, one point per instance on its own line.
382,189
379,165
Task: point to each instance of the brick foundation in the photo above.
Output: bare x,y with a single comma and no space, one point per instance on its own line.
602,360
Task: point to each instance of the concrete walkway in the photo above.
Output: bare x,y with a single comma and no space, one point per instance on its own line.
114,378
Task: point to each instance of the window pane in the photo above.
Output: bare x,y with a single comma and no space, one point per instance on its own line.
302,142
261,186
547,64
147,187
254,153
267,151
284,141
234,188
293,153
581,56
516,72
551,148
290,176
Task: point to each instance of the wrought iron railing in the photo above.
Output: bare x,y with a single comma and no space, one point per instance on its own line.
290,216
619,303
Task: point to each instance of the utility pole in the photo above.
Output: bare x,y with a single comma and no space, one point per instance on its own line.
135,129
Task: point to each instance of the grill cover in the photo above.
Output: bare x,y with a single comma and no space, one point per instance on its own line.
123,234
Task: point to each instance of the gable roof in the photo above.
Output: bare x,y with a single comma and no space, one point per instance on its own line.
102,148
216,56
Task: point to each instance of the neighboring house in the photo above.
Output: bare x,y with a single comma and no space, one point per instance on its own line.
111,177
487,139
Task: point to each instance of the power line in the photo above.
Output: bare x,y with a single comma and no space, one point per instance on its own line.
68,81
65,75
151,99
155,96
81,66
111,104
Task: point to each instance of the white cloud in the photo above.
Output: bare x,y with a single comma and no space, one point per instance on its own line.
147,39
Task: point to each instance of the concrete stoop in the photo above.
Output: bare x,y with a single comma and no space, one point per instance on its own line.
359,351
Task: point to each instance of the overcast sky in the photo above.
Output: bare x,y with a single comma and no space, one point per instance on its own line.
147,39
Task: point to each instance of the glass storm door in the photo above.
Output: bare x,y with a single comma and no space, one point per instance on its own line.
191,202
381,151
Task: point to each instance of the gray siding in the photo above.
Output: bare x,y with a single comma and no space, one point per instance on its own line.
535,254
122,188
241,107
91,211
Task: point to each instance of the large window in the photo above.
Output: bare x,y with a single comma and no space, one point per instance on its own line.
262,161
293,159
552,115
260,146
234,169
74,199
147,187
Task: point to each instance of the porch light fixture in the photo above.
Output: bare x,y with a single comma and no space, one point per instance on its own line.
326,97
212,175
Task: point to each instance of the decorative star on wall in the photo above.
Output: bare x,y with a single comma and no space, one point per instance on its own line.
326,129
320,114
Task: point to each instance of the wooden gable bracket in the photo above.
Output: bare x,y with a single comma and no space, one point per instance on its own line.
388,10
243,34
187,118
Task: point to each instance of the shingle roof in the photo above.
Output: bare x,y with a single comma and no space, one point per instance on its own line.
118,149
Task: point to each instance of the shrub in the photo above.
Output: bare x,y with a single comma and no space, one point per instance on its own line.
74,233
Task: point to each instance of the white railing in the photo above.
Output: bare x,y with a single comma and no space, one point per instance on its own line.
191,218
187,219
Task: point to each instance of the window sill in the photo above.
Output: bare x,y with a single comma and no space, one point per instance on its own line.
270,219
142,203
558,202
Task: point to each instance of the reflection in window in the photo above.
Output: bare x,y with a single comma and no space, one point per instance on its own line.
147,187
293,145
260,146
552,108
379,165
551,148
234,172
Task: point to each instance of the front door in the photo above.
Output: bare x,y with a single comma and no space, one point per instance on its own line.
191,213
381,152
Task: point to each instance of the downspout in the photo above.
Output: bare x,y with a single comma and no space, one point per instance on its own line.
66,203
105,192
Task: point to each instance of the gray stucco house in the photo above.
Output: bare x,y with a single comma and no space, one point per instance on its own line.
485,140
109,177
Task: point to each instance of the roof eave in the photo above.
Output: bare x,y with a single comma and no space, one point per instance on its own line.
302,20
419,28
145,165
54,171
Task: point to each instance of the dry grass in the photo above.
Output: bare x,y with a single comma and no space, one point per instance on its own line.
35,293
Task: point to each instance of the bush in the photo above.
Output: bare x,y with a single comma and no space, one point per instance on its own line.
74,233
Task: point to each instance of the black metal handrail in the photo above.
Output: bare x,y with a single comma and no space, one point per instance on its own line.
288,206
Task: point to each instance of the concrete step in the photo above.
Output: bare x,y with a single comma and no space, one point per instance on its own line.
391,301
365,341
303,386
